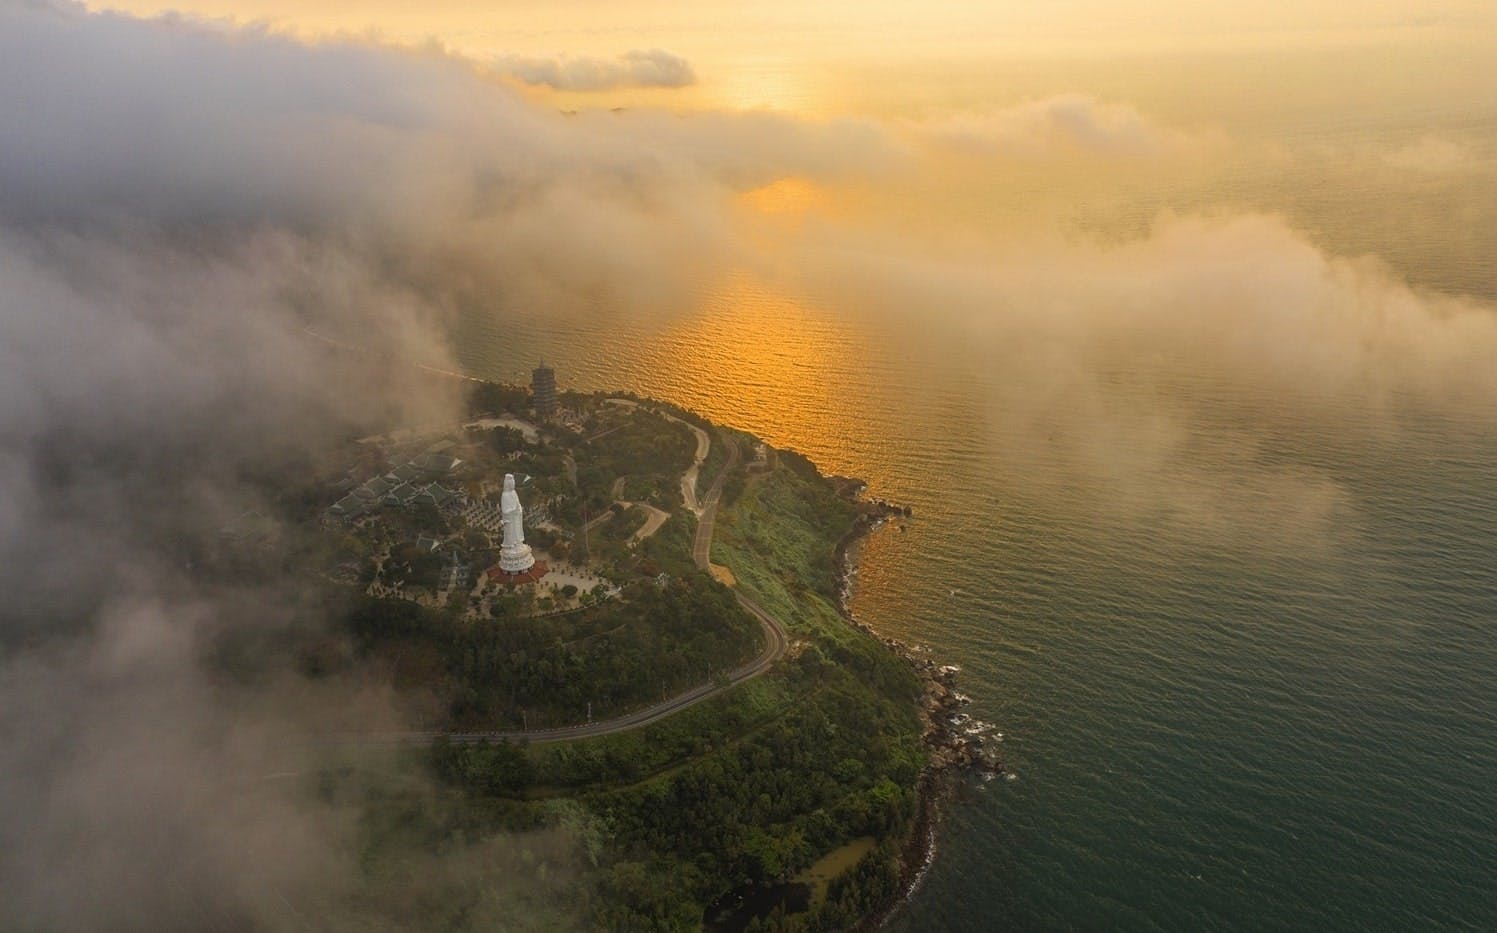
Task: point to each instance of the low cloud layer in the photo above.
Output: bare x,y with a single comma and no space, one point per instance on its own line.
1060,126
1159,380
637,68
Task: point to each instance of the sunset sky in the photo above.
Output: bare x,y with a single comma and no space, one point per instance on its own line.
909,56
1264,83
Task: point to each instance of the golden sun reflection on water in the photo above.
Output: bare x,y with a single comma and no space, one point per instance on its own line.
762,84
766,361
789,195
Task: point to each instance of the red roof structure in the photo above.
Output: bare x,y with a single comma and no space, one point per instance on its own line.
536,571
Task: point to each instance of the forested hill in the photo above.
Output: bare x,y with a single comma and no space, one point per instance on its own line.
785,802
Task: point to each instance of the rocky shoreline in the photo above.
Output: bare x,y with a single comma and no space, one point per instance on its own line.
956,743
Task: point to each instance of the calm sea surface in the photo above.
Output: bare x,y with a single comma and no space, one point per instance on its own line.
1253,726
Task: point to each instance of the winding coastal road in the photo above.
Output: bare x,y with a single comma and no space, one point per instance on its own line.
776,642
701,548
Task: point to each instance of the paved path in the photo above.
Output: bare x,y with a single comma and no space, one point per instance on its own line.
604,516
658,517
701,550
532,434
689,478
654,518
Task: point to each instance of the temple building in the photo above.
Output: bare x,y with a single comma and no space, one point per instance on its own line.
543,390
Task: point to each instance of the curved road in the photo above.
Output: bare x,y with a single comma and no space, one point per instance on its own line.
689,478
776,641
701,548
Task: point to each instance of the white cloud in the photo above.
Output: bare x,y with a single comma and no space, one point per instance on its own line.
636,68
1148,381
1063,125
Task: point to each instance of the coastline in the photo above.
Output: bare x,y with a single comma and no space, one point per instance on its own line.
953,746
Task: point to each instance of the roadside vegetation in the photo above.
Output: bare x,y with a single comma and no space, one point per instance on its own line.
540,671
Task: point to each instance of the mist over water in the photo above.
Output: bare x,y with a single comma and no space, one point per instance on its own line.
1222,709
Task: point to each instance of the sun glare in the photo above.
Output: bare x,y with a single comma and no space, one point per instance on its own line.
791,195
761,85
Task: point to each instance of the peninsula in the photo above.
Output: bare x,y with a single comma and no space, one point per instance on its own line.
617,638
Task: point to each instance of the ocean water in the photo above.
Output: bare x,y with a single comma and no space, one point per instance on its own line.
1203,733
1259,694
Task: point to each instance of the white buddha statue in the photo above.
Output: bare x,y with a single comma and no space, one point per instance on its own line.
514,553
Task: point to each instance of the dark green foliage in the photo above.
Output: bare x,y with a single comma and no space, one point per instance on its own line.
502,440
492,398
732,489
760,802
624,524
540,538
741,792
659,642
801,465
717,456
518,671
428,519
636,899
650,451
546,463
372,621
771,802
669,549
855,894
498,769
792,527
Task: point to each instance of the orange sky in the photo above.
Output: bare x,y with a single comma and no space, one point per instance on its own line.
802,57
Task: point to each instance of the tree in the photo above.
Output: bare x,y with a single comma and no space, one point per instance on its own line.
493,398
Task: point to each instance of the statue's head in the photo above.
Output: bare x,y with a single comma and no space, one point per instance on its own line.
509,482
